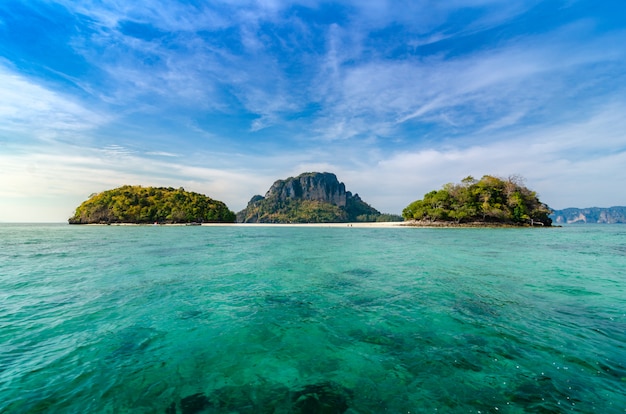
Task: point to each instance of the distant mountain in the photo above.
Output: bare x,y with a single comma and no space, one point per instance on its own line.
308,198
610,215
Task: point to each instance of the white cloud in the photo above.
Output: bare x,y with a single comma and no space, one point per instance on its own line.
361,93
65,176
27,108
167,15
163,154
489,89
575,164
426,16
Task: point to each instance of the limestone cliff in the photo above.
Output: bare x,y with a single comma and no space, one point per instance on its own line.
308,198
322,187
610,215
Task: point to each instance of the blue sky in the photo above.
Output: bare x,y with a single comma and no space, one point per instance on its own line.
224,97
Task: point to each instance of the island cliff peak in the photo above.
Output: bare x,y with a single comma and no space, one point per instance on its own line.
311,197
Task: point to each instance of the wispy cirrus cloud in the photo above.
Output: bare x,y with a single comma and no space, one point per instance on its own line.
190,65
490,88
175,54
222,57
27,108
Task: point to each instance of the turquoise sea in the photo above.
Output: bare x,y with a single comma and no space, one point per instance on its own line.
156,319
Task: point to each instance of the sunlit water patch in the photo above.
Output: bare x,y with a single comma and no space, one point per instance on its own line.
188,320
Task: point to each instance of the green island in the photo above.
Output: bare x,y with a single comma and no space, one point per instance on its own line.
490,201
142,205
322,198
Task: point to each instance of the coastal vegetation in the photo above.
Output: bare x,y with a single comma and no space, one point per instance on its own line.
490,200
137,204
273,210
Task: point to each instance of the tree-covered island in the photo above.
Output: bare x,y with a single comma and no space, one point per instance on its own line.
137,204
488,201
321,198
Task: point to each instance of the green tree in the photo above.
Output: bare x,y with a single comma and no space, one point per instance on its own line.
136,204
490,199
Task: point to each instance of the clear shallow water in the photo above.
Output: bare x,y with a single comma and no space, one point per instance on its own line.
305,320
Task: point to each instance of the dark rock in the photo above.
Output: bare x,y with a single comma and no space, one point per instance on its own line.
194,404
171,409
323,398
320,398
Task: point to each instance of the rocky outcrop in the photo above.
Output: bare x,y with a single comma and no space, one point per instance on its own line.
323,187
610,215
308,198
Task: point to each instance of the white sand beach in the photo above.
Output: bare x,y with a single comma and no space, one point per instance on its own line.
356,224
359,224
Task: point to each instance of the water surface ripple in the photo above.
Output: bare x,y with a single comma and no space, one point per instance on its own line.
154,319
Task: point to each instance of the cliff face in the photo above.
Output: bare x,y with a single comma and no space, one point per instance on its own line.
323,187
611,215
307,198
